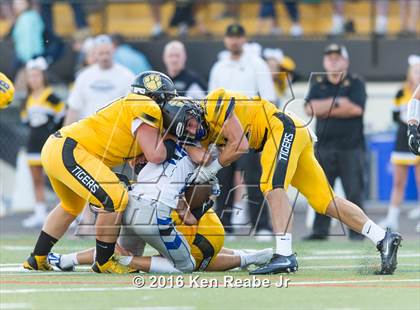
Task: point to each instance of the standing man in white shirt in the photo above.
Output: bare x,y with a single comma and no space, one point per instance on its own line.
246,72
99,83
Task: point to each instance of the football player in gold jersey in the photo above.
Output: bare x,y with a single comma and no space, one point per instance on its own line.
7,91
238,123
78,161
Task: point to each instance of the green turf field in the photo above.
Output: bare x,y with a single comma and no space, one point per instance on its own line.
333,275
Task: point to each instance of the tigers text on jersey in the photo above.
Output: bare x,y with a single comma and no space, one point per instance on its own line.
165,182
109,134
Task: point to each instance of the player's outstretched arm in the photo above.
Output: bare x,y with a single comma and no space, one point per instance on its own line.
236,145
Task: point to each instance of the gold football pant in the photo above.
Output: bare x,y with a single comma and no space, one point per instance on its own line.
206,239
288,158
78,177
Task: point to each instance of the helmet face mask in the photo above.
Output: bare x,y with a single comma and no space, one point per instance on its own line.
177,113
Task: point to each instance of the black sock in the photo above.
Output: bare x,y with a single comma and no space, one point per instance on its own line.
104,251
44,244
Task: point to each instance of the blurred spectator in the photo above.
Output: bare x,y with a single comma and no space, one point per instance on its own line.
129,57
231,9
79,14
99,83
157,30
246,72
187,82
268,12
401,157
409,17
337,100
381,20
339,25
27,36
84,47
184,17
282,70
6,11
43,112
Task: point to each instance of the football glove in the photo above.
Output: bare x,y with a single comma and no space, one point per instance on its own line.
414,138
203,174
7,91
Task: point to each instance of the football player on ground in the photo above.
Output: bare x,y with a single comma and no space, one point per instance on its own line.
240,123
7,91
78,161
188,239
204,236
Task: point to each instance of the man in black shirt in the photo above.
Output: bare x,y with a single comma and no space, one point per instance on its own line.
187,82
337,100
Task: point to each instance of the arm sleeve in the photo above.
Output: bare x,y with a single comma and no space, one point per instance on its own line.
265,83
147,112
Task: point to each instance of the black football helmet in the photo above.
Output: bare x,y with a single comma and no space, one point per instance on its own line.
176,114
154,84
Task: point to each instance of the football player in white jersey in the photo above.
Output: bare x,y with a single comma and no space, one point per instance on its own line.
149,219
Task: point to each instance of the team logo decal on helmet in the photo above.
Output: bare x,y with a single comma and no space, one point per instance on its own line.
152,82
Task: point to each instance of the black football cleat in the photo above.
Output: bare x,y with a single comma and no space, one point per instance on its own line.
388,247
278,264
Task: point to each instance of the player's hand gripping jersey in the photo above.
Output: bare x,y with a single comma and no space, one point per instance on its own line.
285,141
78,158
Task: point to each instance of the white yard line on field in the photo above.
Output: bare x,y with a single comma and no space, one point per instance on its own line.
342,257
155,308
71,289
5,306
382,280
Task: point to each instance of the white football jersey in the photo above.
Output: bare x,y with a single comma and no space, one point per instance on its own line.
165,182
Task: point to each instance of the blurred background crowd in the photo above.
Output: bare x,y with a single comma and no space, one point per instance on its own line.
70,58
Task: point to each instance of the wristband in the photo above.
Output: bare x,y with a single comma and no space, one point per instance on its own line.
215,166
